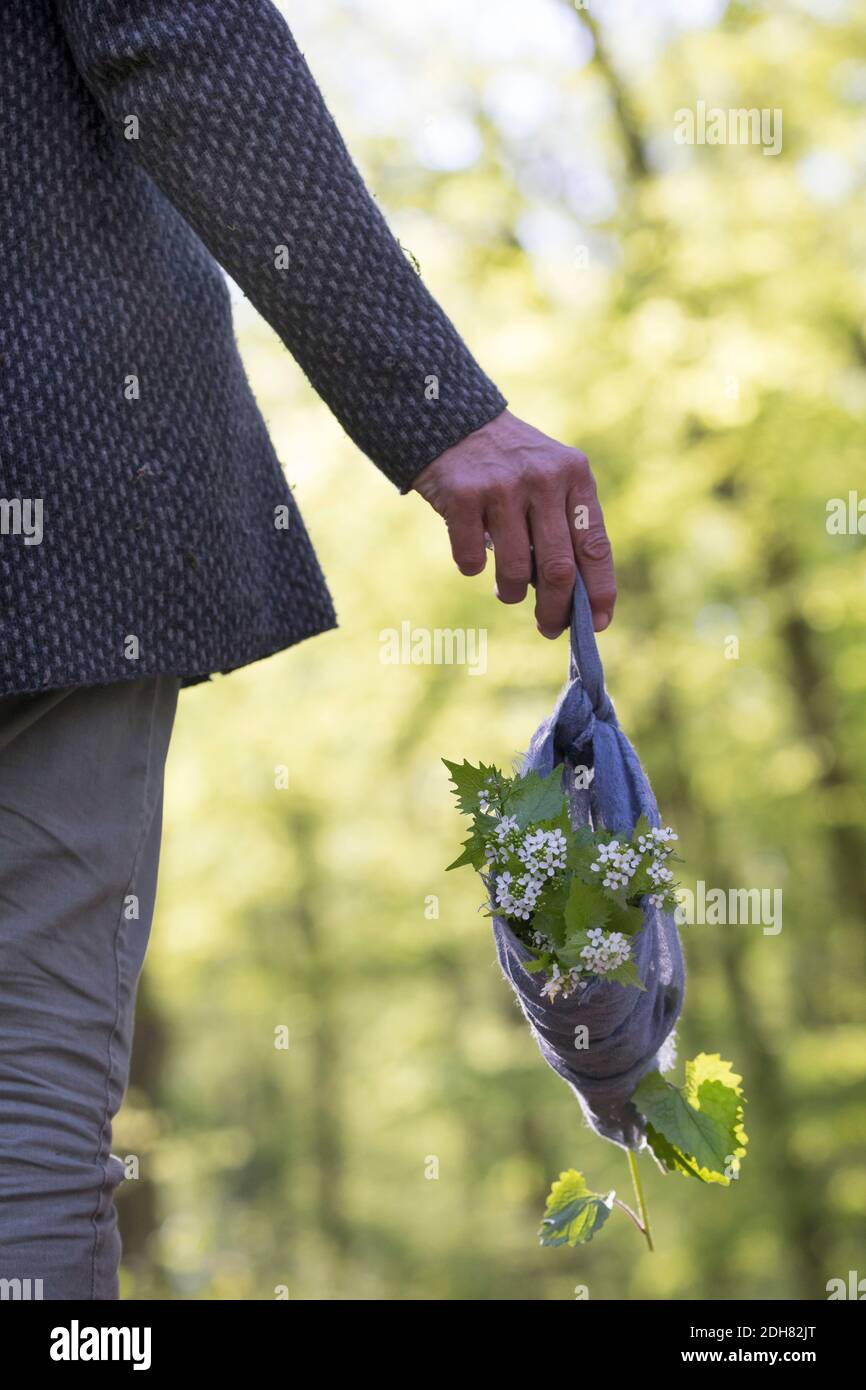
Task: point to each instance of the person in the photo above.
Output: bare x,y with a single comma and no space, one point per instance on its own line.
149,538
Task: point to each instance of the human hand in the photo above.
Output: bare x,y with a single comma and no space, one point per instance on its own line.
537,500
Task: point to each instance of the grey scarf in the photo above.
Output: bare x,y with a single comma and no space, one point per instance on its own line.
629,1031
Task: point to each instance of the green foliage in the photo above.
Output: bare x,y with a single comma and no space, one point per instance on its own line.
472,785
474,846
573,1214
582,851
696,1130
627,974
533,800
577,920
550,918
585,907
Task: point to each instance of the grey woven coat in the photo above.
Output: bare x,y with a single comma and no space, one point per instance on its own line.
146,525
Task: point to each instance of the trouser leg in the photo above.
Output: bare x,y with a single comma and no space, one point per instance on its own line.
81,780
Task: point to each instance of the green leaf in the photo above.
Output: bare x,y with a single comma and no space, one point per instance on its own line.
641,882
586,907
696,1130
582,852
700,1137
534,798
626,974
623,918
549,917
542,962
473,853
708,1079
569,954
561,821
573,1214
670,1157
469,782
473,847
709,1066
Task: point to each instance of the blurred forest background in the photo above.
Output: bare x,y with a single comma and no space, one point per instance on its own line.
694,318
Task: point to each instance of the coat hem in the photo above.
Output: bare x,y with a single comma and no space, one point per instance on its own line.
188,674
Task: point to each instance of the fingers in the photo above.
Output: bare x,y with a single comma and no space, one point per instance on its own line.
537,499
465,525
592,548
509,531
555,566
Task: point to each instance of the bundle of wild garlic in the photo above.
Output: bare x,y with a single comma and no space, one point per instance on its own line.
573,897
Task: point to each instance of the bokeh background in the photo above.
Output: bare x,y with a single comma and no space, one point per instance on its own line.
694,319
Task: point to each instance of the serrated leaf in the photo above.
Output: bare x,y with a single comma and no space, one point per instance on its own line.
708,1077
569,954
473,847
670,1157
626,974
573,1214
623,918
698,1130
585,907
532,967
699,1136
561,821
709,1066
469,782
549,917
641,882
472,853
582,853
535,798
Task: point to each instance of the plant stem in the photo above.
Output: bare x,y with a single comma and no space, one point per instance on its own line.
633,1216
638,1192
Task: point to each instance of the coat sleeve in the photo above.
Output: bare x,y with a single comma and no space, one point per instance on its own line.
232,127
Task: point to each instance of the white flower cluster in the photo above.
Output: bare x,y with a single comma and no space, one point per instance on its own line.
566,984
507,833
659,835
606,951
542,854
619,863
516,897
659,843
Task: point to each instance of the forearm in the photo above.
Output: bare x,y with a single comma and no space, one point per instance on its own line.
232,127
